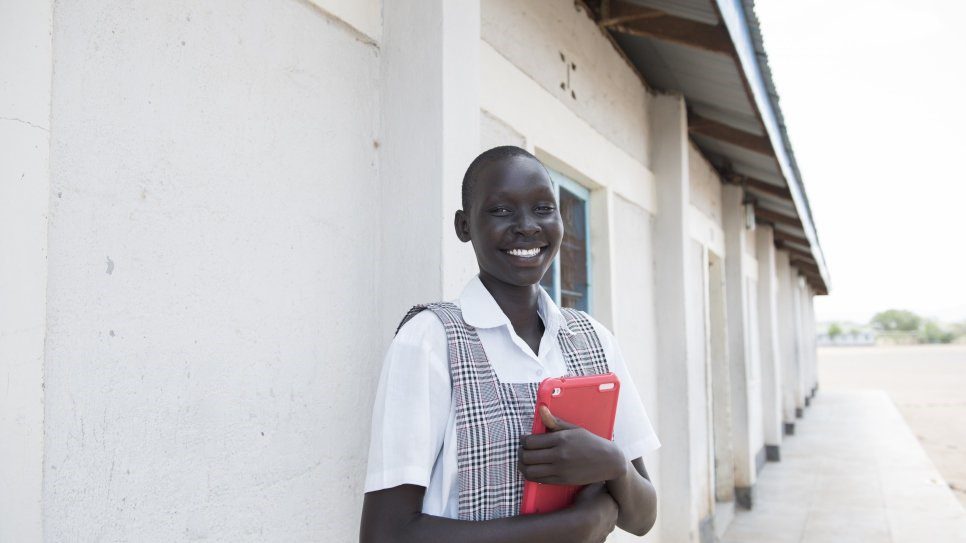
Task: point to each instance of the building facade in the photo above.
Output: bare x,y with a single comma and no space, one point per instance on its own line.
214,215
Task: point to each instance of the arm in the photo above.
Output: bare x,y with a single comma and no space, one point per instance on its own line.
394,515
636,498
571,455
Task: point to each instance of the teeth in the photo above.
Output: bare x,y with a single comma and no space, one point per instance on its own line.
525,253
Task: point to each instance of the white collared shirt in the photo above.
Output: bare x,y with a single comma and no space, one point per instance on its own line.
413,419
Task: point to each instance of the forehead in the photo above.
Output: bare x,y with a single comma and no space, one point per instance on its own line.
517,175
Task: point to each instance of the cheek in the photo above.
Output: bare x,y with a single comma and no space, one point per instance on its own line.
555,231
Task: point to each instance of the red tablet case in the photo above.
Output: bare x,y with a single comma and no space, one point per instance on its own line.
588,401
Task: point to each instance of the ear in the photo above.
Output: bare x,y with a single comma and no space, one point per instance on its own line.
462,225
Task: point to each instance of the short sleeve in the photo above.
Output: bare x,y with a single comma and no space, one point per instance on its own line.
412,406
633,431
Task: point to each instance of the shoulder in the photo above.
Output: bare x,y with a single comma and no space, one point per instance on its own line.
423,328
606,337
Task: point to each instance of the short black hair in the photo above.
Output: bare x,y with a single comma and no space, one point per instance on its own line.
489,157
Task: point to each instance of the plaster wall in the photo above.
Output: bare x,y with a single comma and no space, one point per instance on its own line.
556,44
705,186
363,16
25,68
635,320
213,261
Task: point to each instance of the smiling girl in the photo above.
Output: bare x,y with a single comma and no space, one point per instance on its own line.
450,448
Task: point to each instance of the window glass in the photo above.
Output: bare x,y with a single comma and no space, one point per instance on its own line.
568,279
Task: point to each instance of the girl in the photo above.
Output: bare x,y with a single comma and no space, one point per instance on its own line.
449,450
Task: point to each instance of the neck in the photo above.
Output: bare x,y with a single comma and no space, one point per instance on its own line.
519,304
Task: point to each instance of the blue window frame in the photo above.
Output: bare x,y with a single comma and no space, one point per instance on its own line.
568,280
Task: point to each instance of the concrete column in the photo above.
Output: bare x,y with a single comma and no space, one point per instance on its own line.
740,350
25,72
768,342
430,88
812,381
787,340
800,348
670,165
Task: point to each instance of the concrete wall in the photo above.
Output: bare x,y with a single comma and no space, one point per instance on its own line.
25,67
226,184
214,247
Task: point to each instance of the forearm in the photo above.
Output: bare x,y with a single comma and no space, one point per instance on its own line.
394,516
636,500
563,526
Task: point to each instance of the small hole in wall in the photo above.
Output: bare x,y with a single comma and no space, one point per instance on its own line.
573,66
563,85
562,57
573,95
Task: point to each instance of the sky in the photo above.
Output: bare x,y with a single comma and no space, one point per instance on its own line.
874,97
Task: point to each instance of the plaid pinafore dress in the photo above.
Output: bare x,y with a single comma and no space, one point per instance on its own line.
491,416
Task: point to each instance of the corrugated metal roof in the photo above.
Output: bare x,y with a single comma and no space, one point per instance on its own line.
732,88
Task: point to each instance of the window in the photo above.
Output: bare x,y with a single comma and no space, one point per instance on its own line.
568,279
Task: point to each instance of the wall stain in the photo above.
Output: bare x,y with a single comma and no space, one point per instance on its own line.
110,266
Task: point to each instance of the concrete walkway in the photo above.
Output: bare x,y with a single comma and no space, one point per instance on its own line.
853,472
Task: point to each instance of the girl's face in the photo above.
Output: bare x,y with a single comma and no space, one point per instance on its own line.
513,221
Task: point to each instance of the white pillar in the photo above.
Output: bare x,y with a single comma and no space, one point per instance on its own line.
25,72
787,339
740,351
800,346
430,88
768,341
670,165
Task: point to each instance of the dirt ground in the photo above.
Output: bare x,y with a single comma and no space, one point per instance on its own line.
927,384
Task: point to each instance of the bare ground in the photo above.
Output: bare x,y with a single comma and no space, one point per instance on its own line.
928,385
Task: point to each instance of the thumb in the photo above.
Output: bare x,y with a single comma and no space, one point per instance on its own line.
553,423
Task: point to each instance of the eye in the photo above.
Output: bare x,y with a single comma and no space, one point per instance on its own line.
545,209
500,211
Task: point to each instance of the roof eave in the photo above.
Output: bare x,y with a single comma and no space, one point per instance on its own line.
736,14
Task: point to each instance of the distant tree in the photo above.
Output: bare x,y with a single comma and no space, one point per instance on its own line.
834,330
897,320
932,333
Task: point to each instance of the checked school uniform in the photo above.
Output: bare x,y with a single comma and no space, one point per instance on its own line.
458,388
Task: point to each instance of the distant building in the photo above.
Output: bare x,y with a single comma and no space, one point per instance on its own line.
847,334
215,214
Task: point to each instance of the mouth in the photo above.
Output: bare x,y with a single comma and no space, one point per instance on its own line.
532,252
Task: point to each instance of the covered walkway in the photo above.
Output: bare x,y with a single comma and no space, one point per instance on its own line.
853,472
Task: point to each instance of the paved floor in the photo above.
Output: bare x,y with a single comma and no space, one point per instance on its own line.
928,385
853,472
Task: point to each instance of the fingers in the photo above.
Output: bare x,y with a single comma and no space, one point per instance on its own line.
548,419
538,456
552,422
540,441
540,473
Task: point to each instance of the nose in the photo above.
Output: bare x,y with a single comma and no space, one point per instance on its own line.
527,226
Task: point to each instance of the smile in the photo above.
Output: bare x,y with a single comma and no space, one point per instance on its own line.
524,253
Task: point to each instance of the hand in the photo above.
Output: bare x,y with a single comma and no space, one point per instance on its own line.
599,511
569,455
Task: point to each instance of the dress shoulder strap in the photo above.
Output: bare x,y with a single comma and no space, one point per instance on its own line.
447,312
582,349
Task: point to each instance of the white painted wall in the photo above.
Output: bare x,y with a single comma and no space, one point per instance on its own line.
635,316
25,67
363,16
603,90
214,254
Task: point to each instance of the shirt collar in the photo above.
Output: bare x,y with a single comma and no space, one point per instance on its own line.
480,310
